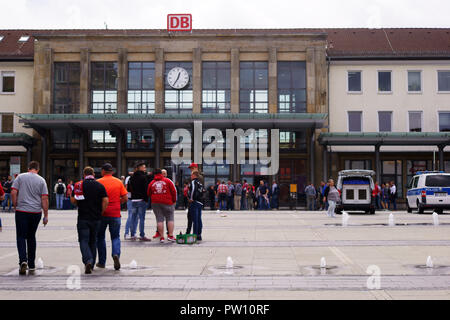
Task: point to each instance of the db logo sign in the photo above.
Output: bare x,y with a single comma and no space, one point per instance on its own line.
179,22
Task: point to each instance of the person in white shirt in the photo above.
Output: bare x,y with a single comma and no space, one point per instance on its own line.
393,195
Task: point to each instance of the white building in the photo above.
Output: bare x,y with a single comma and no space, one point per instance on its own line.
391,88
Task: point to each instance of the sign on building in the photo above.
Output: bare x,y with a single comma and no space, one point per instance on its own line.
179,22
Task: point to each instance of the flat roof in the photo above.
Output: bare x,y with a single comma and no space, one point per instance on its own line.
164,120
384,138
15,139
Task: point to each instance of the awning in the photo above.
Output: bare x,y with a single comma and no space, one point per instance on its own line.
385,139
287,121
16,139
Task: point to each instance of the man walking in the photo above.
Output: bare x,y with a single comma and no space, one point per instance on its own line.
275,196
310,192
29,195
60,191
7,189
92,200
138,185
117,195
196,191
262,193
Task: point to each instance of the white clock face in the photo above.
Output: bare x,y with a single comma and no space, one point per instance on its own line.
178,78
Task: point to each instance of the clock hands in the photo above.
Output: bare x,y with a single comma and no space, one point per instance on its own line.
179,74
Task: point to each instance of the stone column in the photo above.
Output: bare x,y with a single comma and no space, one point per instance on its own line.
158,137
84,80
273,83
325,163
310,81
47,82
197,80
159,81
377,163
312,156
81,153
122,80
43,154
235,80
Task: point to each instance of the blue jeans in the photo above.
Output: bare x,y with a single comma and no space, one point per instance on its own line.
197,217
59,201
128,223
223,201
274,202
114,231
26,227
5,202
87,237
262,203
138,213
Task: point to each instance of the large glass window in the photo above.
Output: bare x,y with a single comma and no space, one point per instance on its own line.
104,87
292,86
391,170
216,94
254,87
215,172
444,121
444,81
384,81
354,81
141,87
102,139
415,121
414,81
385,121
293,141
65,140
169,144
178,101
140,139
66,92
354,121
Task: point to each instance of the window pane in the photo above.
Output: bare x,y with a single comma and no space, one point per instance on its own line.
148,79
384,81
354,81
444,80
134,79
261,79
246,79
8,84
415,122
354,121
414,81
444,121
385,121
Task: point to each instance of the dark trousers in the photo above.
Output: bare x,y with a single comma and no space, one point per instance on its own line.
230,202
114,231
26,227
197,217
190,219
87,237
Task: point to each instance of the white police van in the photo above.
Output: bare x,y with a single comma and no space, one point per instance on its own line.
356,190
429,190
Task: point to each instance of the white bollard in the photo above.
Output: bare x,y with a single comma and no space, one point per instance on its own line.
435,219
430,263
391,220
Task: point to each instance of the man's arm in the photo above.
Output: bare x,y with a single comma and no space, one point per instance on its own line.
124,198
73,200
14,197
105,202
45,208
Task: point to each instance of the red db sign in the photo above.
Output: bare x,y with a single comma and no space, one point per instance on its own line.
179,22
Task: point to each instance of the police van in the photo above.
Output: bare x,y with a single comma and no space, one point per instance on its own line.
356,190
429,190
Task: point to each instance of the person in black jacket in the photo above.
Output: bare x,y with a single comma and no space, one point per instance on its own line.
137,186
195,196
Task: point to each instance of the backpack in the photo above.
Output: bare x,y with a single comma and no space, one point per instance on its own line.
60,188
200,192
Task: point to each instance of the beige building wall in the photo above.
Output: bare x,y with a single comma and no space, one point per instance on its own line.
21,101
400,101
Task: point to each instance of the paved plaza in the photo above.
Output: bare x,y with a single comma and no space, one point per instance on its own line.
275,254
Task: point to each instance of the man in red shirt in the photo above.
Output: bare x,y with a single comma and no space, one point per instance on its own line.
117,195
164,195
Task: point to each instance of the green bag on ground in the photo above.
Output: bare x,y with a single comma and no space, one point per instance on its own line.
186,238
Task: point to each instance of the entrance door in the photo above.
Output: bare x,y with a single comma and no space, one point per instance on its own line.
292,171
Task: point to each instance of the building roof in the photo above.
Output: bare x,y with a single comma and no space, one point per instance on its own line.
165,120
345,43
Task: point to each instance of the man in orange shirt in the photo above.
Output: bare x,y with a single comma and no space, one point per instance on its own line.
117,195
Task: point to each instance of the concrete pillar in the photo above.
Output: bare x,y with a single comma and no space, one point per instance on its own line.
84,80
122,80
273,82
158,137
377,163
197,80
310,80
119,138
325,163
312,156
81,153
441,158
235,70
159,80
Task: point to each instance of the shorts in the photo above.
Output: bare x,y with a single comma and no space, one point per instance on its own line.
163,212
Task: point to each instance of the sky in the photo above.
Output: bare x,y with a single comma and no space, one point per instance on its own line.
151,14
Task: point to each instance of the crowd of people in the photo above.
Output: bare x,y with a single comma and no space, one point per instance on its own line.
99,203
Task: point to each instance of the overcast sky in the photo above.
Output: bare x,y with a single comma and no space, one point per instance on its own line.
151,14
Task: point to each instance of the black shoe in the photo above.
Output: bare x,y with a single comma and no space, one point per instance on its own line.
88,268
199,238
23,268
101,266
116,262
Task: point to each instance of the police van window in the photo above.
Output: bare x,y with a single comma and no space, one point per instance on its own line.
415,182
438,181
